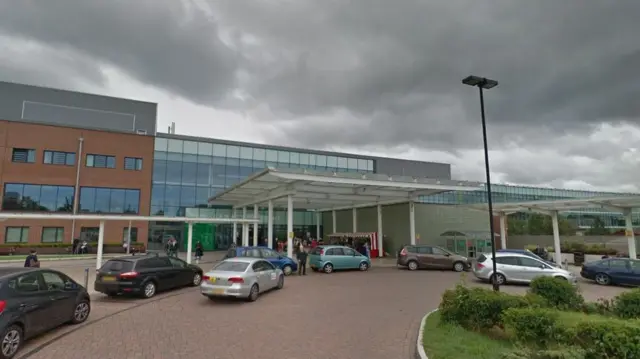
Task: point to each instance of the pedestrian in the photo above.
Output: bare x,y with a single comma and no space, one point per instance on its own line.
32,260
367,250
74,246
199,252
302,259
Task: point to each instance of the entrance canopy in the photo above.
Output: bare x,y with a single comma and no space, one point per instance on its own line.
606,203
326,191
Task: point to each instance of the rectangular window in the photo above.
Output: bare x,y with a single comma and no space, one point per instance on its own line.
133,164
109,200
23,155
59,158
134,234
101,161
16,235
89,234
52,234
37,197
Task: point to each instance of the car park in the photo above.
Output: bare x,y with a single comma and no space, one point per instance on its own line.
516,268
623,271
287,264
416,257
34,301
241,277
145,275
331,258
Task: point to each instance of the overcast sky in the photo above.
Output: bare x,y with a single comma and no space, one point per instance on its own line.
366,76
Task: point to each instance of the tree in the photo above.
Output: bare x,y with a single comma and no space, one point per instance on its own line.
516,226
597,228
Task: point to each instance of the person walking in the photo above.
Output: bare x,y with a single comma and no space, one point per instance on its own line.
302,259
367,250
32,260
199,252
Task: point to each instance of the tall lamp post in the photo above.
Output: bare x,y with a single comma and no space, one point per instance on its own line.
485,84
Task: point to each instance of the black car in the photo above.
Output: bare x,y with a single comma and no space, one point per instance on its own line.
145,275
33,301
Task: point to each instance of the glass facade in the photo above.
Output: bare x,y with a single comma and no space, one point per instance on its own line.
109,200
37,197
187,173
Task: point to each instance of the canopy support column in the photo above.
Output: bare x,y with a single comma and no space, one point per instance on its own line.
290,226
380,248
270,224
189,241
255,225
412,222
556,237
245,228
100,245
354,215
503,230
318,222
334,221
235,226
631,238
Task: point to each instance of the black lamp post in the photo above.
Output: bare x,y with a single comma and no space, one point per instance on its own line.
485,84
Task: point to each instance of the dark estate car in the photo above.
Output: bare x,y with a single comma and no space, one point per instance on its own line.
430,257
33,301
145,275
613,271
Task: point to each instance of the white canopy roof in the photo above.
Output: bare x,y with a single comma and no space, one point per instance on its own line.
325,191
606,203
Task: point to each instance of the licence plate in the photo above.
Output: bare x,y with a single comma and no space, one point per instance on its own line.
218,291
108,278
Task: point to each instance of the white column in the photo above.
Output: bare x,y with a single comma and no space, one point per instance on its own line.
245,228
631,238
318,223
270,225
235,226
556,237
380,249
255,225
189,241
129,238
503,230
412,222
354,214
100,245
290,226
334,221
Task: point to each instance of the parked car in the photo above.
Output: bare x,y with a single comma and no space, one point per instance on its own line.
331,258
516,268
145,275
430,257
241,277
529,253
34,301
613,271
287,264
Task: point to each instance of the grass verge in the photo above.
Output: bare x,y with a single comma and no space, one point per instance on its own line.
444,341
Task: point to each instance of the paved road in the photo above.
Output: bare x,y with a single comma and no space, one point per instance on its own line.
343,315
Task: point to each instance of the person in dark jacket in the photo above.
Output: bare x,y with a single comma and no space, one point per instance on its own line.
74,246
302,259
199,252
32,260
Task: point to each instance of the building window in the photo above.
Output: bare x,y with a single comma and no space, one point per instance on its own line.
16,235
109,200
52,234
134,234
89,234
23,155
101,161
37,197
133,164
59,158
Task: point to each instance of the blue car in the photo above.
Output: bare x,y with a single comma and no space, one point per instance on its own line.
331,258
288,265
622,271
529,253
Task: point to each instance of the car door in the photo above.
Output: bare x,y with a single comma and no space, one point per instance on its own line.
424,257
338,258
620,270
33,301
161,269
259,269
62,295
184,274
634,278
272,257
441,258
532,268
351,258
271,275
510,267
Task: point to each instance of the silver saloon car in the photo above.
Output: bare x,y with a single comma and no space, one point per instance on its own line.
241,277
516,268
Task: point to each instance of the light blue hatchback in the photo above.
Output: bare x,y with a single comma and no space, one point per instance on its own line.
332,258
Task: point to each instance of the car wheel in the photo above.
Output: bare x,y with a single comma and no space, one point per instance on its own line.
197,279
602,279
149,290
412,265
287,270
498,278
11,341
328,268
280,282
81,312
458,266
253,293
363,266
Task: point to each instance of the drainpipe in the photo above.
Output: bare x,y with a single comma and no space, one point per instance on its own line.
76,191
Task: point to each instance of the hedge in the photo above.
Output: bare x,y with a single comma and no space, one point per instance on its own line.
558,293
627,305
571,247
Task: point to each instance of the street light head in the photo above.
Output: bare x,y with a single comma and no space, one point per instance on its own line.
483,82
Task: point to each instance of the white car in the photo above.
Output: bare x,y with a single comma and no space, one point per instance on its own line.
516,268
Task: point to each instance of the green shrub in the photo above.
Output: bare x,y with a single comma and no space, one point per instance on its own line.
603,338
558,293
601,307
533,326
627,305
559,353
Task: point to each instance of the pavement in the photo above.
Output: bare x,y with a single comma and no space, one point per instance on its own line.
374,315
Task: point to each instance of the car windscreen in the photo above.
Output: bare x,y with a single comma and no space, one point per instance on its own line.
231,267
114,265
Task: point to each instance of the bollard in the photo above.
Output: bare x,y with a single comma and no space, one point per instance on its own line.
86,278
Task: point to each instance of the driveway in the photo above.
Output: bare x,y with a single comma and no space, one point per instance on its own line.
372,315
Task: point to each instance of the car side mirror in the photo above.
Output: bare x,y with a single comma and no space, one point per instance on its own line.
68,286
447,254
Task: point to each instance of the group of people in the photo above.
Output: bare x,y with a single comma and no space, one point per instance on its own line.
172,248
79,247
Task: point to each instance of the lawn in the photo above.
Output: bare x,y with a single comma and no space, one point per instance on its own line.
444,341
